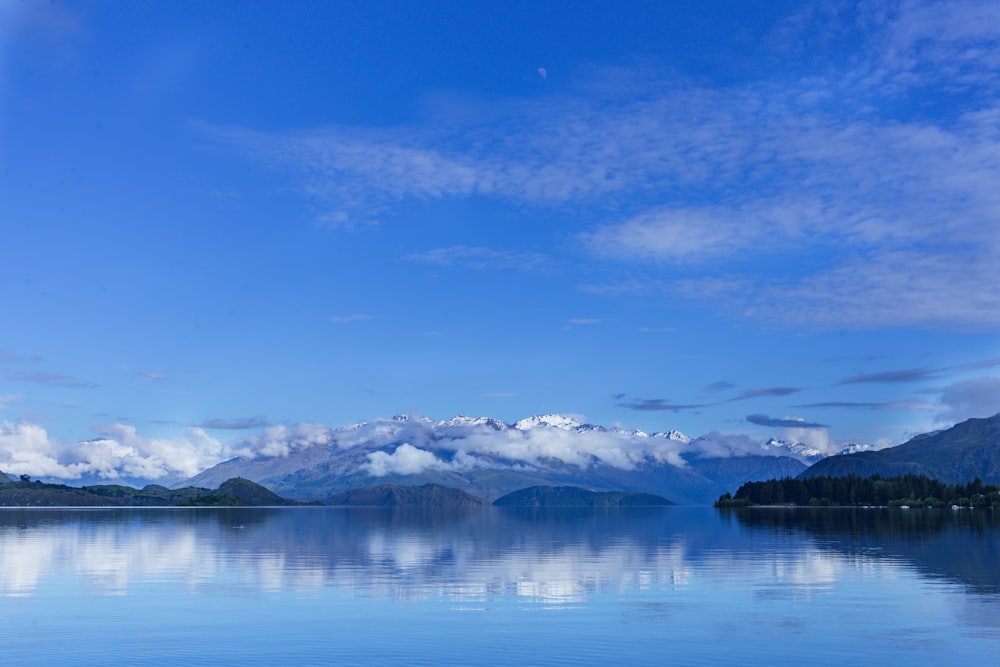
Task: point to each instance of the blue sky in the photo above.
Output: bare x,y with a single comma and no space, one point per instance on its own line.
759,218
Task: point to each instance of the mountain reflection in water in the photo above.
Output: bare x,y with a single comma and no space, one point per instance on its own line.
503,584
556,554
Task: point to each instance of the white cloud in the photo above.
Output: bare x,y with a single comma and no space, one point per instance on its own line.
817,438
718,445
405,460
958,38
283,440
118,452
468,445
760,174
673,234
977,397
416,445
941,291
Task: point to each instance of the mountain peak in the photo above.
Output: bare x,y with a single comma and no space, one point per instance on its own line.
462,420
675,435
564,422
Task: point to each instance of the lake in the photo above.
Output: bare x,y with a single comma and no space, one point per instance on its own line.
499,586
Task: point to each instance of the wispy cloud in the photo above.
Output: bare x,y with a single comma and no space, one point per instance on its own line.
919,374
932,43
482,258
891,377
47,30
630,286
977,397
235,424
665,405
659,405
7,401
52,380
981,364
583,321
766,391
11,358
354,317
783,422
913,406
902,205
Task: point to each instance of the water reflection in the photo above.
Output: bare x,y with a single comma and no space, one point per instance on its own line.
960,546
560,558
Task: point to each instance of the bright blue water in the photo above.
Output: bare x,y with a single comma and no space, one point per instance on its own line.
319,586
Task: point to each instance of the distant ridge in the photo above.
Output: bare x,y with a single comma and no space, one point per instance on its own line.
573,496
396,495
234,492
960,454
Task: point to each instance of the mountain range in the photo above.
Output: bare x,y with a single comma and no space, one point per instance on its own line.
385,462
489,458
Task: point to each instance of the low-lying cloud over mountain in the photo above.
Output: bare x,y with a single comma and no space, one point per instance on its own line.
117,452
397,446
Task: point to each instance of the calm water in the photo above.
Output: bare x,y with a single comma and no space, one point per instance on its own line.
311,586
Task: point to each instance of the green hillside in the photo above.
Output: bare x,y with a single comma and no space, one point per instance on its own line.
967,451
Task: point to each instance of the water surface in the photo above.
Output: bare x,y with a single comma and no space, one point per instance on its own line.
641,586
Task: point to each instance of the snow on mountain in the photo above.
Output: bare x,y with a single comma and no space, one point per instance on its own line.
797,450
491,457
854,449
806,453
565,422
562,436
462,420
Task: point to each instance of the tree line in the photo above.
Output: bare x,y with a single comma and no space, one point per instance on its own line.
853,490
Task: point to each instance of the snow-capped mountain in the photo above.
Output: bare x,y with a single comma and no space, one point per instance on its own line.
798,450
806,453
673,435
462,420
564,422
558,421
490,457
